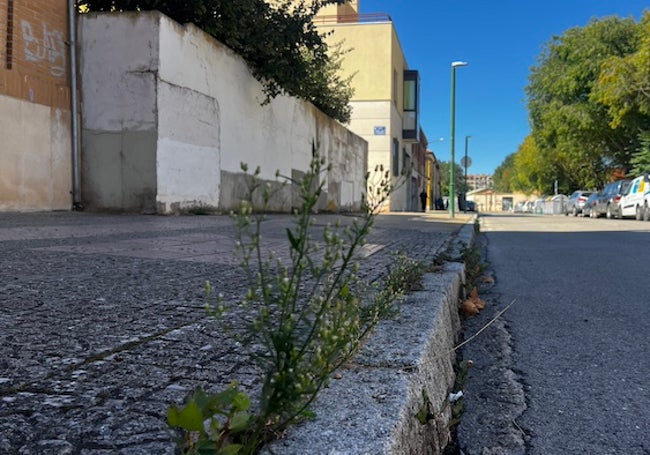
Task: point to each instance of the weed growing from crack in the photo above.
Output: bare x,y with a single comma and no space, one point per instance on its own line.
474,267
306,318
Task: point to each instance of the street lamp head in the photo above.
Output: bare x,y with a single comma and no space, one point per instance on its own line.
455,64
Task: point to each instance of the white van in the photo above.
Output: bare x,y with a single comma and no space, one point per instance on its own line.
635,201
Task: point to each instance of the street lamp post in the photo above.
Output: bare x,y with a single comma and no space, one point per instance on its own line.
452,197
466,165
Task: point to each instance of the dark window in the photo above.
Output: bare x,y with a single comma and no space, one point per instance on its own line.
9,42
411,123
395,157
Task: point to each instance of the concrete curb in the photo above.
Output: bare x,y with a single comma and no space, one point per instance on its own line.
373,407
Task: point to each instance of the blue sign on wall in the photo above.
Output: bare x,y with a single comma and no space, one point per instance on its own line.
380,131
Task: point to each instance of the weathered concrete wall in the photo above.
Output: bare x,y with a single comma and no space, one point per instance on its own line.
35,157
197,111
118,65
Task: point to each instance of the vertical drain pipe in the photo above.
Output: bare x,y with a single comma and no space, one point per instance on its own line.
76,186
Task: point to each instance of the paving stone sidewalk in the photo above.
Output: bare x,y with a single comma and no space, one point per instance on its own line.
103,326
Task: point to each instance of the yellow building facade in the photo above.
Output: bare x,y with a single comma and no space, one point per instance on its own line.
382,83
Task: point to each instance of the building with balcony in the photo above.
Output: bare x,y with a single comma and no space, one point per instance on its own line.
385,104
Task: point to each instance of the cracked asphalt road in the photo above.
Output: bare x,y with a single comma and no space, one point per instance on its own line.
565,370
103,326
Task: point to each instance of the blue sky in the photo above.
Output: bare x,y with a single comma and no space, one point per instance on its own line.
501,40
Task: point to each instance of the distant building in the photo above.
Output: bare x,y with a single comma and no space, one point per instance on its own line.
489,200
385,104
433,178
479,181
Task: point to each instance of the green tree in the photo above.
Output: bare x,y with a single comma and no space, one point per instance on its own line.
529,170
624,83
459,178
504,175
570,127
281,44
641,160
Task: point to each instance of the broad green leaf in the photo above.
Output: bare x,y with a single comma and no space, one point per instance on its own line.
241,402
239,421
231,449
223,399
202,400
173,418
189,418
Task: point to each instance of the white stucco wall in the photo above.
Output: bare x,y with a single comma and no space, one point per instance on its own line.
118,67
35,157
204,107
368,115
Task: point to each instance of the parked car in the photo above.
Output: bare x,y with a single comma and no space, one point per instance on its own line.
589,209
576,202
608,203
635,201
471,206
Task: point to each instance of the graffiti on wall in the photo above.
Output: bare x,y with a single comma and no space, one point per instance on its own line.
45,45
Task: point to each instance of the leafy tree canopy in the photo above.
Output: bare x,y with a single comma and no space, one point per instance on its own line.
280,43
641,160
504,175
624,83
571,128
459,178
589,107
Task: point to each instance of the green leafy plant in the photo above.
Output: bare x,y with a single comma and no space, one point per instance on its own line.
212,423
304,319
474,267
307,316
405,275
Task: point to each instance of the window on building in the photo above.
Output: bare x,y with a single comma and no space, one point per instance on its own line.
395,157
395,85
410,123
9,36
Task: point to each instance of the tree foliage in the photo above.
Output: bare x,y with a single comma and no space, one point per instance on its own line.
281,44
569,124
504,175
459,178
624,83
589,107
641,160
534,169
